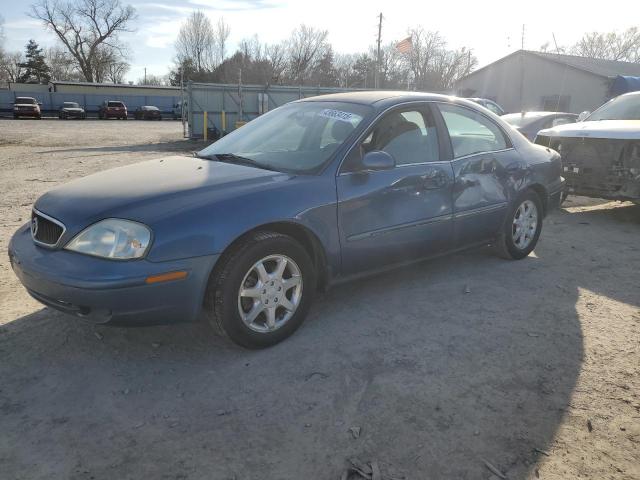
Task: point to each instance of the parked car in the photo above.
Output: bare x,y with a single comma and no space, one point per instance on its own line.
489,104
112,109
601,155
71,110
147,112
26,107
316,191
530,123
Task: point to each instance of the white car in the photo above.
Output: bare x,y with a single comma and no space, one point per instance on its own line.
601,155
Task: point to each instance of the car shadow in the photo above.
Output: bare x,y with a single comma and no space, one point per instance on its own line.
438,367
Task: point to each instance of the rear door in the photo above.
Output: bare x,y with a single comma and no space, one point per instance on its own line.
399,214
486,169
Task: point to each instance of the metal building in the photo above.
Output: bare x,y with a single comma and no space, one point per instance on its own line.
527,80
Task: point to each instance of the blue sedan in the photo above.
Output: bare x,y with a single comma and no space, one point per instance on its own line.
312,193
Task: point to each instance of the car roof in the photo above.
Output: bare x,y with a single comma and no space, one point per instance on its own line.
377,98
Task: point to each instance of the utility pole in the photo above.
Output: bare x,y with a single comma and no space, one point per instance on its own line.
145,75
377,72
522,42
240,113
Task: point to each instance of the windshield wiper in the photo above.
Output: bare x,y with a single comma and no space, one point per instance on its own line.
233,158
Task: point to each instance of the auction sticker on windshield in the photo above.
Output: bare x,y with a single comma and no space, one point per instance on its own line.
340,115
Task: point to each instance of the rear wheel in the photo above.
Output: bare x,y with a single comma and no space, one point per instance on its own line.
522,227
262,290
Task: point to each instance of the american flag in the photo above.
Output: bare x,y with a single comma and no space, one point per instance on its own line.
404,46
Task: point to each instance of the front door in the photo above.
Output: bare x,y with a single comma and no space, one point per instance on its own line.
399,214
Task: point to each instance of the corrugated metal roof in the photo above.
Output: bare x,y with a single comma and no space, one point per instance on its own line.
597,66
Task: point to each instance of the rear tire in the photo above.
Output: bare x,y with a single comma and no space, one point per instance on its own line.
522,227
257,310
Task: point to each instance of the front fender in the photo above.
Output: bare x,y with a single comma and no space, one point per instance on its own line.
209,228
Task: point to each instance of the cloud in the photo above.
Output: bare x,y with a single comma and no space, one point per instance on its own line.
236,5
24,24
165,7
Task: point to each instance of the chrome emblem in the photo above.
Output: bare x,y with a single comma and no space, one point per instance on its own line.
34,226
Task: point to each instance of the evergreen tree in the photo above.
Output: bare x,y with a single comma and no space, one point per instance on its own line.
36,69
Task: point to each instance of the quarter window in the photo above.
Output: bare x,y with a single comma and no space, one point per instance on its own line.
471,132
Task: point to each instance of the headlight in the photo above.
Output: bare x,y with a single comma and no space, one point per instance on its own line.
112,238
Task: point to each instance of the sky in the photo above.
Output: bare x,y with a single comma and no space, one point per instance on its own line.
492,29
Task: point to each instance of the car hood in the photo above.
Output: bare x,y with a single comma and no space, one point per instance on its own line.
25,105
149,190
615,129
72,109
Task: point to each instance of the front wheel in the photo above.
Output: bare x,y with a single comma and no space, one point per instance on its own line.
262,290
522,227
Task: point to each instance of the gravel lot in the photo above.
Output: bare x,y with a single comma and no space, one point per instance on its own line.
534,370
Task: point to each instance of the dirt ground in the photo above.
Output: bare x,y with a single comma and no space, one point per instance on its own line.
529,366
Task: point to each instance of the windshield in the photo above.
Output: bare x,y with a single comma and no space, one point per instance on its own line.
624,107
26,100
298,138
71,105
115,104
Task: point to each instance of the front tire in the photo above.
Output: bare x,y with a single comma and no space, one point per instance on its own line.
522,227
262,290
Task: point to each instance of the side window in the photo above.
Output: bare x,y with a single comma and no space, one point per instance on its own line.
471,132
494,108
409,136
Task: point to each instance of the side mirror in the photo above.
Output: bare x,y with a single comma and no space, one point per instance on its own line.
378,160
583,115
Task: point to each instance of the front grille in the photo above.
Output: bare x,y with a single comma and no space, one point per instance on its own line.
45,230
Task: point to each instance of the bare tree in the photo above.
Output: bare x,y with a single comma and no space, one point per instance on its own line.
197,41
276,57
307,46
86,28
345,74
151,79
624,46
425,46
221,36
61,64
116,71
11,66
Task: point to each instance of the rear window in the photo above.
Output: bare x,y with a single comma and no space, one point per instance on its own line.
26,100
115,104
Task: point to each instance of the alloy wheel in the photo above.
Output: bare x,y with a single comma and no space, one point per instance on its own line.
525,224
270,293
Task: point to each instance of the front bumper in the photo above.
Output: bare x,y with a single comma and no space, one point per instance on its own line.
26,113
107,291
